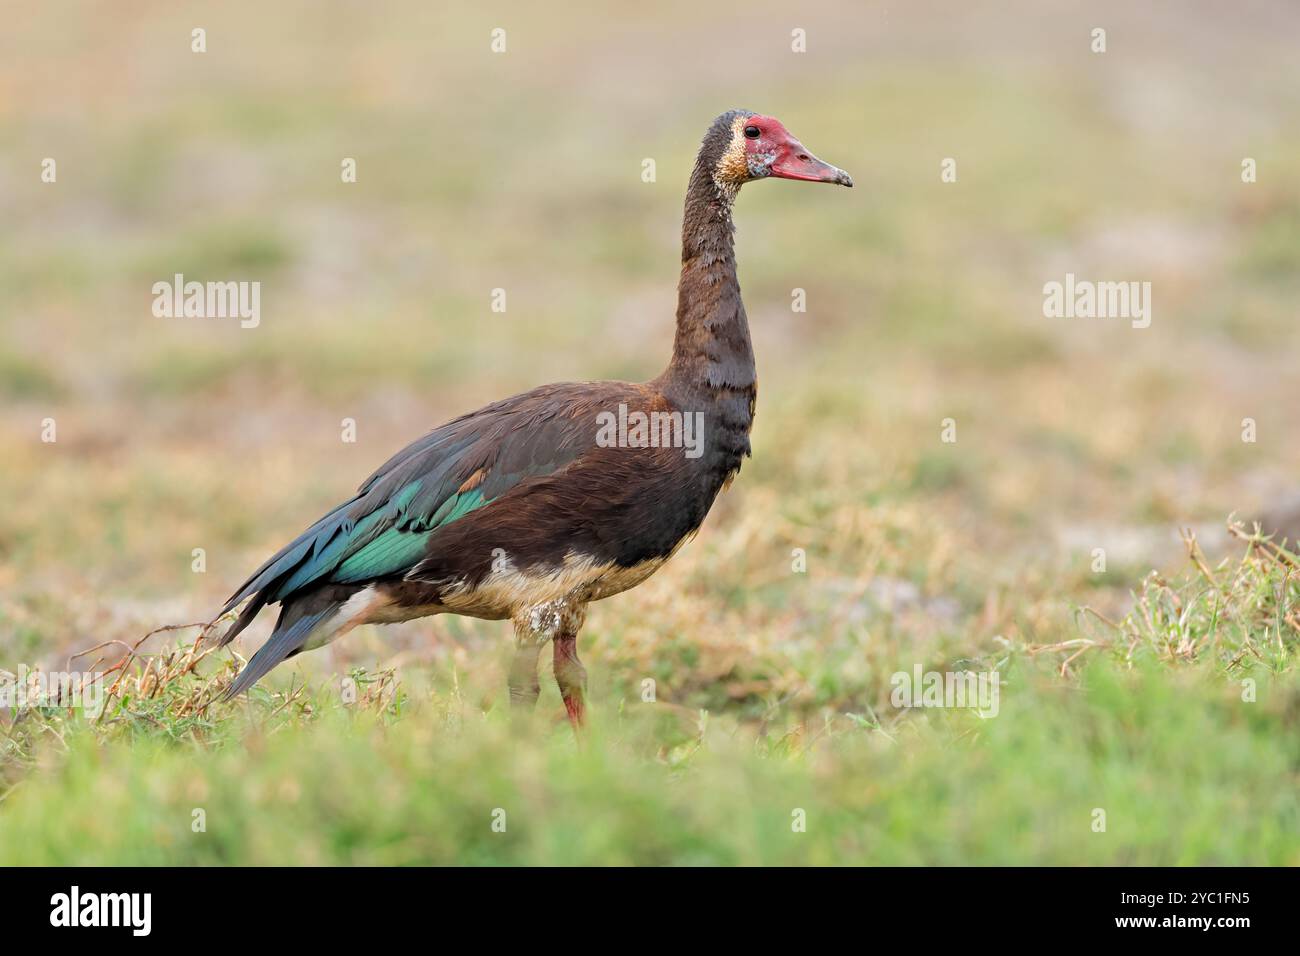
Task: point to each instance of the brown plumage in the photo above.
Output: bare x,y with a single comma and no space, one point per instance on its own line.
534,506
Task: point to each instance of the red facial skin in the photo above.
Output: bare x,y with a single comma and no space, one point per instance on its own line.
775,152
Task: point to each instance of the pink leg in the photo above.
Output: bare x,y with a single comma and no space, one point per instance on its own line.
571,676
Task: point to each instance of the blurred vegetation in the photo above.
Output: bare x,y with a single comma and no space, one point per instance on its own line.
1177,746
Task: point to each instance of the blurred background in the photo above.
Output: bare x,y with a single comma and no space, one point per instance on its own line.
522,170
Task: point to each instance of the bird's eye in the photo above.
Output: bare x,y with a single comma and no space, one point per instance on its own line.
752,132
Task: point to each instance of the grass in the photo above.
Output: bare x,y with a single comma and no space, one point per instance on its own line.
1180,738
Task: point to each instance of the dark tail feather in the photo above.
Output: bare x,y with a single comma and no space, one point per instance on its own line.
245,618
291,633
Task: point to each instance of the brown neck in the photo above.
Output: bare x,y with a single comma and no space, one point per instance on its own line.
711,351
